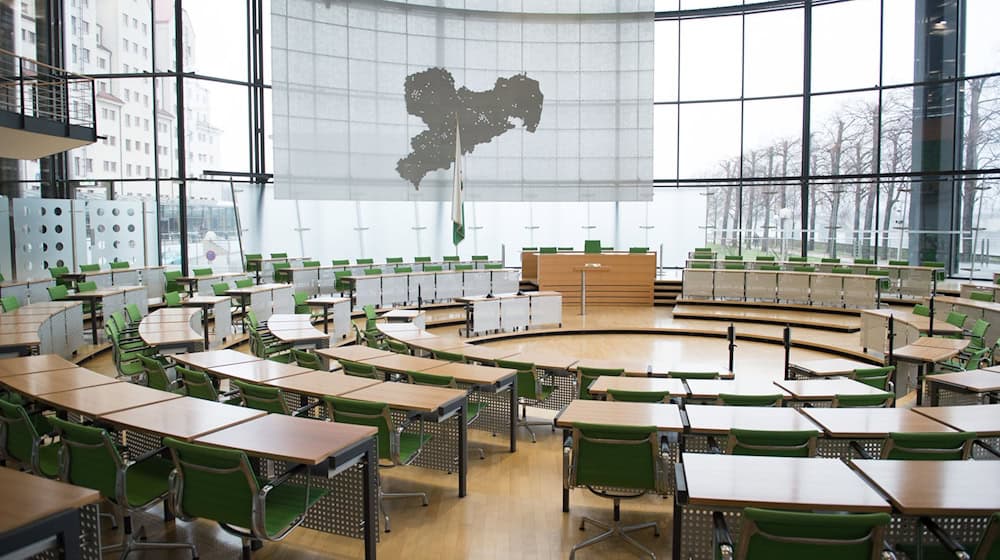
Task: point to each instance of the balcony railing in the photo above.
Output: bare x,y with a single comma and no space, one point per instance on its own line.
35,89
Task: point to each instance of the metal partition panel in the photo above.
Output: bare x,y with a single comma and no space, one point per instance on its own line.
115,230
43,236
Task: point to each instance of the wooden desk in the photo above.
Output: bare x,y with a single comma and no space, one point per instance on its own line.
926,352
436,403
341,317
546,360
257,372
717,420
956,344
484,354
38,510
185,418
353,353
321,383
709,389
402,363
93,402
214,358
55,381
827,367
601,385
223,318
825,389
95,298
33,364
488,380
932,488
870,423
983,419
405,332
664,417
628,280
977,382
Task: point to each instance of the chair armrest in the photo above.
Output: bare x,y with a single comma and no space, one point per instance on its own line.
722,540
283,478
259,528
945,539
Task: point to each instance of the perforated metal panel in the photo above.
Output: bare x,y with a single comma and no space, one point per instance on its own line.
114,232
42,236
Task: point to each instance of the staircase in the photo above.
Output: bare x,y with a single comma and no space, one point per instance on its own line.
666,292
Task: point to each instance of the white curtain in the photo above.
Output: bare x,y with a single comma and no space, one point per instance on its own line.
340,114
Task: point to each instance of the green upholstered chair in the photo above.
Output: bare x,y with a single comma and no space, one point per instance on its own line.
734,266
359,369
86,287
730,399
279,255
981,296
220,288
956,319
638,249
451,258
547,250
134,314
830,260
638,396
403,269
798,259
90,267
921,310
56,272
199,385
480,257
585,376
472,407
124,329
977,336
280,272
206,271
268,399
772,443
340,262
592,246
126,360
89,457
899,263
220,485
301,307
397,346
393,260
371,316
864,261
396,446
948,548
170,281
310,264
422,259
252,262
969,363
804,269
172,299
771,267
930,446
463,267
492,266
878,400
733,258
530,390
371,339
777,534
880,377
340,284
307,359
157,376
269,348
57,292
373,271
433,268
842,270
22,440
244,283
764,258
701,265
9,303
615,462
448,356
693,374
365,261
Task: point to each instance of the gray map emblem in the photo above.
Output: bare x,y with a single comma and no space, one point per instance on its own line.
483,115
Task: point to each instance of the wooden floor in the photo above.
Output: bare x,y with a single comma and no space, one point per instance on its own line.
513,506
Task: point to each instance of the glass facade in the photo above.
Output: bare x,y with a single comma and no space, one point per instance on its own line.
857,128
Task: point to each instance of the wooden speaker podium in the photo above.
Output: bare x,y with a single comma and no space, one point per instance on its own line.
625,278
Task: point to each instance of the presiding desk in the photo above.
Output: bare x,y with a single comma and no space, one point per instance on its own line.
628,278
41,514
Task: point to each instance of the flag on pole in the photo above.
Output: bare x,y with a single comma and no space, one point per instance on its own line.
458,194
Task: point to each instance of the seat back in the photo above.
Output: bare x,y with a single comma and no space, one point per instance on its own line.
832,260
797,259
339,283
373,271
86,287
929,446
876,377
730,399
764,258
172,299
279,271
922,310
592,246
220,288
773,443
359,369
134,313
433,268
90,267
878,400
307,359
301,307
403,269
170,281
197,384
864,261
120,265
615,457
202,271
88,458
638,249
450,258
340,262
989,545
244,283
547,250
480,257
393,260
585,376
397,346
957,319
252,262
279,255
448,356
57,271
769,534
735,266
310,264
364,261
212,483
804,269
364,413
259,397
18,434
842,270
527,384
701,265
58,292
421,259
156,375
638,396
9,303
693,374
370,317
420,378
462,267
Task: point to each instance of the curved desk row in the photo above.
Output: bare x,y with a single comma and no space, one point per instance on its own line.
967,289
905,281
53,327
813,288
149,415
298,331
986,310
149,276
28,291
322,279
390,290
265,299
173,329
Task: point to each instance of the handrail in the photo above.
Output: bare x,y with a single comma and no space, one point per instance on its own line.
34,89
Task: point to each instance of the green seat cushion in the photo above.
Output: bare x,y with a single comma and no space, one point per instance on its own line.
285,502
409,444
48,459
147,480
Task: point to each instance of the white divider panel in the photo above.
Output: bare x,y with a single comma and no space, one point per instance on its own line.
43,234
6,266
151,232
116,232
